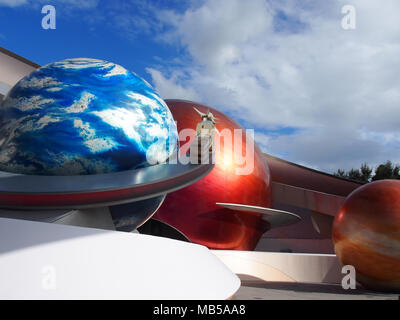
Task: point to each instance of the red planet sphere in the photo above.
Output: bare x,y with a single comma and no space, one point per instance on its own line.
193,210
366,234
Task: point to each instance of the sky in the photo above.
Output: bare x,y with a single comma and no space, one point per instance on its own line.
314,92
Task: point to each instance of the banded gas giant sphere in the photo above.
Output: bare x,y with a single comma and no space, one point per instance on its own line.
83,116
366,234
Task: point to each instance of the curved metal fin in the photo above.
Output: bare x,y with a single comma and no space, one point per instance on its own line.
276,218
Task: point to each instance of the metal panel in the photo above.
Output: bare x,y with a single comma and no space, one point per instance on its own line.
302,177
275,218
87,191
316,201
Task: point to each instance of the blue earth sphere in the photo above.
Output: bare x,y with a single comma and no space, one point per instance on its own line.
83,116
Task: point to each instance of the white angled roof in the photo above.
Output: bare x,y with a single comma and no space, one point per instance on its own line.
12,69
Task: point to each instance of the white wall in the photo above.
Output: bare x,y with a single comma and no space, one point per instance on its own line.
286,267
12,70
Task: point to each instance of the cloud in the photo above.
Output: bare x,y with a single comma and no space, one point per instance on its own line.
76,4
136,18
170,87
328,148
290,63
276,65
12,3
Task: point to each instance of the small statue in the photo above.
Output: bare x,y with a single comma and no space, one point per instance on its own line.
206,128
204,141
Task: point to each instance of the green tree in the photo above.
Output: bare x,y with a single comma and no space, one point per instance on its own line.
396,172
340,173
386,171
355,174
366,173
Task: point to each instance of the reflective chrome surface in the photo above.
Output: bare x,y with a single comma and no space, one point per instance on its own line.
56,192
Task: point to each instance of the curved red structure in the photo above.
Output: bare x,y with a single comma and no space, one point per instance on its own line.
366,233
193,210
